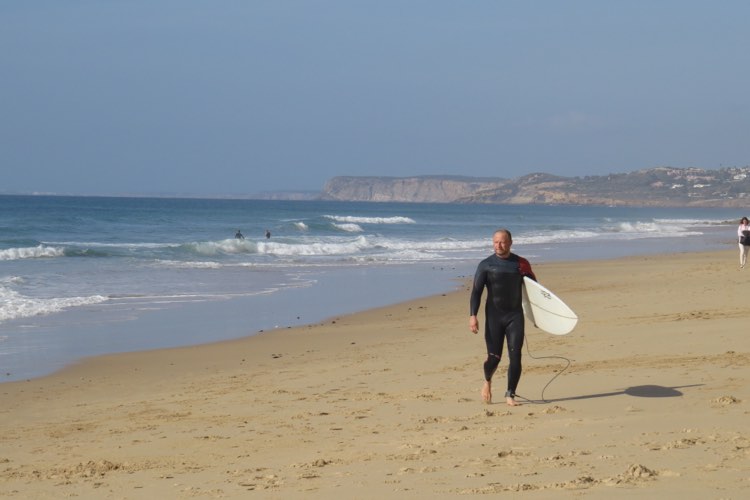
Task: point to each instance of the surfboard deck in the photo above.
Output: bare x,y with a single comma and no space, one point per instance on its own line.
546,310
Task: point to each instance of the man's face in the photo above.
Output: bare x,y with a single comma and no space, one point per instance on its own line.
502,244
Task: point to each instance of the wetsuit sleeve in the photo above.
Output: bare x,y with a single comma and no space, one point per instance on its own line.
480,280
524,267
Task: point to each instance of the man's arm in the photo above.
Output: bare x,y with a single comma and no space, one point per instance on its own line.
475,300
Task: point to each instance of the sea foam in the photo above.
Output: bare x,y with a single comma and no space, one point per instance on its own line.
14,305
371,220
37,252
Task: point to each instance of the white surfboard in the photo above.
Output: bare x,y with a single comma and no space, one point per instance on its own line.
546,310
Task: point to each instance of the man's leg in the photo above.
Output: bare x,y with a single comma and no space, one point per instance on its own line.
515,335
490,366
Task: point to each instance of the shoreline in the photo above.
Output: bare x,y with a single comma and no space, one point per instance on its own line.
65,339
386,401
176,300
105,360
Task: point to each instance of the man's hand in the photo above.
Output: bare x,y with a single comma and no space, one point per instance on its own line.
473,324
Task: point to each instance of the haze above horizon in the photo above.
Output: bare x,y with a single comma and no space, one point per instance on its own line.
237,98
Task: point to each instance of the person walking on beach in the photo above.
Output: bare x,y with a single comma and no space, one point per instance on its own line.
743,234
502,274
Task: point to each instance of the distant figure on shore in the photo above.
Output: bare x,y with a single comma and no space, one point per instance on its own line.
268,234
743,233
239,235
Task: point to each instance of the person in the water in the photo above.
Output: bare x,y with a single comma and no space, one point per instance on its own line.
239,235
502,274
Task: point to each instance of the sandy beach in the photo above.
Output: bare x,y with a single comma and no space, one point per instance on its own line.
386,403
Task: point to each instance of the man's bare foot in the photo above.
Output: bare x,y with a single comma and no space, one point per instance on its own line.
510,399
487,392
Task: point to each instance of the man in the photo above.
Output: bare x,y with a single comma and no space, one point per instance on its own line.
502,273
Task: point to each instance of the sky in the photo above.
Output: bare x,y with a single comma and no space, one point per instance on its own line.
249,96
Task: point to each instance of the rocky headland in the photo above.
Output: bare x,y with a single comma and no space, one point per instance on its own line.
661,186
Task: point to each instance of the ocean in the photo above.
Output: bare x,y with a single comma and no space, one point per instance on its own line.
83,276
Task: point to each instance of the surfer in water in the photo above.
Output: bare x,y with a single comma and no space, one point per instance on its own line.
239,235
502,274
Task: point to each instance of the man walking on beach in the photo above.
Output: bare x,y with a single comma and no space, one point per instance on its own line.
502,273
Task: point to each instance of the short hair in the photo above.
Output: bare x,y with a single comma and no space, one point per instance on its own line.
503,230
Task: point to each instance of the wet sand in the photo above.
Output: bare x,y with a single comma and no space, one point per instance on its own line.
649,395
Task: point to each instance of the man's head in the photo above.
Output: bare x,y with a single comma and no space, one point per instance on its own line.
502,241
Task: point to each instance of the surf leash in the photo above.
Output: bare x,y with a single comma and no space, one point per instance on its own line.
568,362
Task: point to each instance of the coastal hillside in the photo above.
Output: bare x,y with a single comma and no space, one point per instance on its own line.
662,186
409,189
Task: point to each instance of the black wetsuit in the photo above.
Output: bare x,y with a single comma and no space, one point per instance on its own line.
503,311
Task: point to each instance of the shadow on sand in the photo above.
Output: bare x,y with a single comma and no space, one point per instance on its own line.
639,391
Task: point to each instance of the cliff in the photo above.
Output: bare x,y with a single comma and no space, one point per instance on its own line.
662,186
407,189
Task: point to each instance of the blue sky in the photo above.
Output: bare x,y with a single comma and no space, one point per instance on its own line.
240,97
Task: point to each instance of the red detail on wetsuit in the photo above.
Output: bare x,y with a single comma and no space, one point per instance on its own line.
525,268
